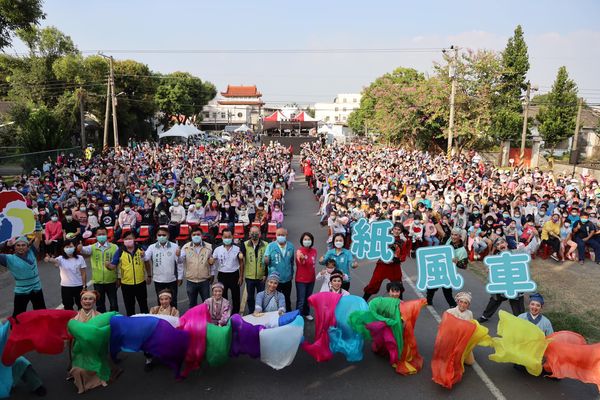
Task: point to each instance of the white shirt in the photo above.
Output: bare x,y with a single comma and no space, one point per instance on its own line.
164,262
226,260
70,271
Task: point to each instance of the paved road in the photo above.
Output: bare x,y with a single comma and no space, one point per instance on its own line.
337,379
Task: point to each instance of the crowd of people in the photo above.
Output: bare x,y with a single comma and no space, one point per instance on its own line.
203,216
465,202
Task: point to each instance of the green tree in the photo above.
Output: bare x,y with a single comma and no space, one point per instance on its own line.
558,113
182,95
382,101
135,86
477,79
16,15
508,109
39,128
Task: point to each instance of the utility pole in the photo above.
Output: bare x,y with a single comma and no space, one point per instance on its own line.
524,132
80,96
114,102
106,115
452,72
574,149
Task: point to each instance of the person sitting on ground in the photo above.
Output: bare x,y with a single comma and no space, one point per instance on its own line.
270,299
165,297
218,307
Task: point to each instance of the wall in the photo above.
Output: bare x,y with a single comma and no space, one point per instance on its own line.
568,169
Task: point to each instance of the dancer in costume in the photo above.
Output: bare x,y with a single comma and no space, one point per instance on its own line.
270,299
461,311
336,281
536,303
218,307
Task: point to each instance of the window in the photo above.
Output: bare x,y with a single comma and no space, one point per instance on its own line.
354,100
240,115
344,118
337,109
344,100
206,114
223,115
327,118
337,118
344,109
215,115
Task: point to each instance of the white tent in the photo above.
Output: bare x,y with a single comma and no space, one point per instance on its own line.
243,128
179,130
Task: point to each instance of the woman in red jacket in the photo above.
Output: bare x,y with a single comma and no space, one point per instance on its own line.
306,257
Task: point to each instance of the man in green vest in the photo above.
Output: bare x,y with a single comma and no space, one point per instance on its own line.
105,279
253,255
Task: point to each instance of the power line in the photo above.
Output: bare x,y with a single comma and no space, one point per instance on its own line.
272,51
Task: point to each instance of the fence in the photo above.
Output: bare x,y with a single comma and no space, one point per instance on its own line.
23,163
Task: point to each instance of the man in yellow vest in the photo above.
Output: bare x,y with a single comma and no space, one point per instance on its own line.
253,255
105,279
129,261
196,257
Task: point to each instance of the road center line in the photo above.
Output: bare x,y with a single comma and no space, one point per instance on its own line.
496,392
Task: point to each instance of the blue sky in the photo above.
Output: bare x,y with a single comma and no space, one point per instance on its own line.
557,33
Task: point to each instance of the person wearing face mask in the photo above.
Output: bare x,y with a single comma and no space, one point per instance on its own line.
584,234
229,269
344,259
81,216
568,246
70,226
277,214
253,256
53,234
551,235
92,222
167,271
306,257
228,215
279,257
127,220
132,274
104,275
178,214
73,275
197,260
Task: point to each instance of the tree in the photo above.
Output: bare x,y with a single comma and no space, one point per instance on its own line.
558,113
182,95
39,128
135,86
15,15
478,77
508,109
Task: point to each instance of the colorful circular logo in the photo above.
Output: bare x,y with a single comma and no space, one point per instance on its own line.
16,219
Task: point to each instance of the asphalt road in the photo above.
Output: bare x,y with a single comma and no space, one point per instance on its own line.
337,379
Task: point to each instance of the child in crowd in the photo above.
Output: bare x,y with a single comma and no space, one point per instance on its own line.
325,275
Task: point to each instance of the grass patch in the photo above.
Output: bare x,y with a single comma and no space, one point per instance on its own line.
563,320
563,287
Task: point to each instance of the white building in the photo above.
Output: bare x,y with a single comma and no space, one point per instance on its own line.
338,111
236,106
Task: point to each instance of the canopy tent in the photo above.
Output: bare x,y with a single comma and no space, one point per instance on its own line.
243,128
180,130
278,121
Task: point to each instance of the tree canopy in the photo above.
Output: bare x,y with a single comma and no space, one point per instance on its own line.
559,110
18,15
